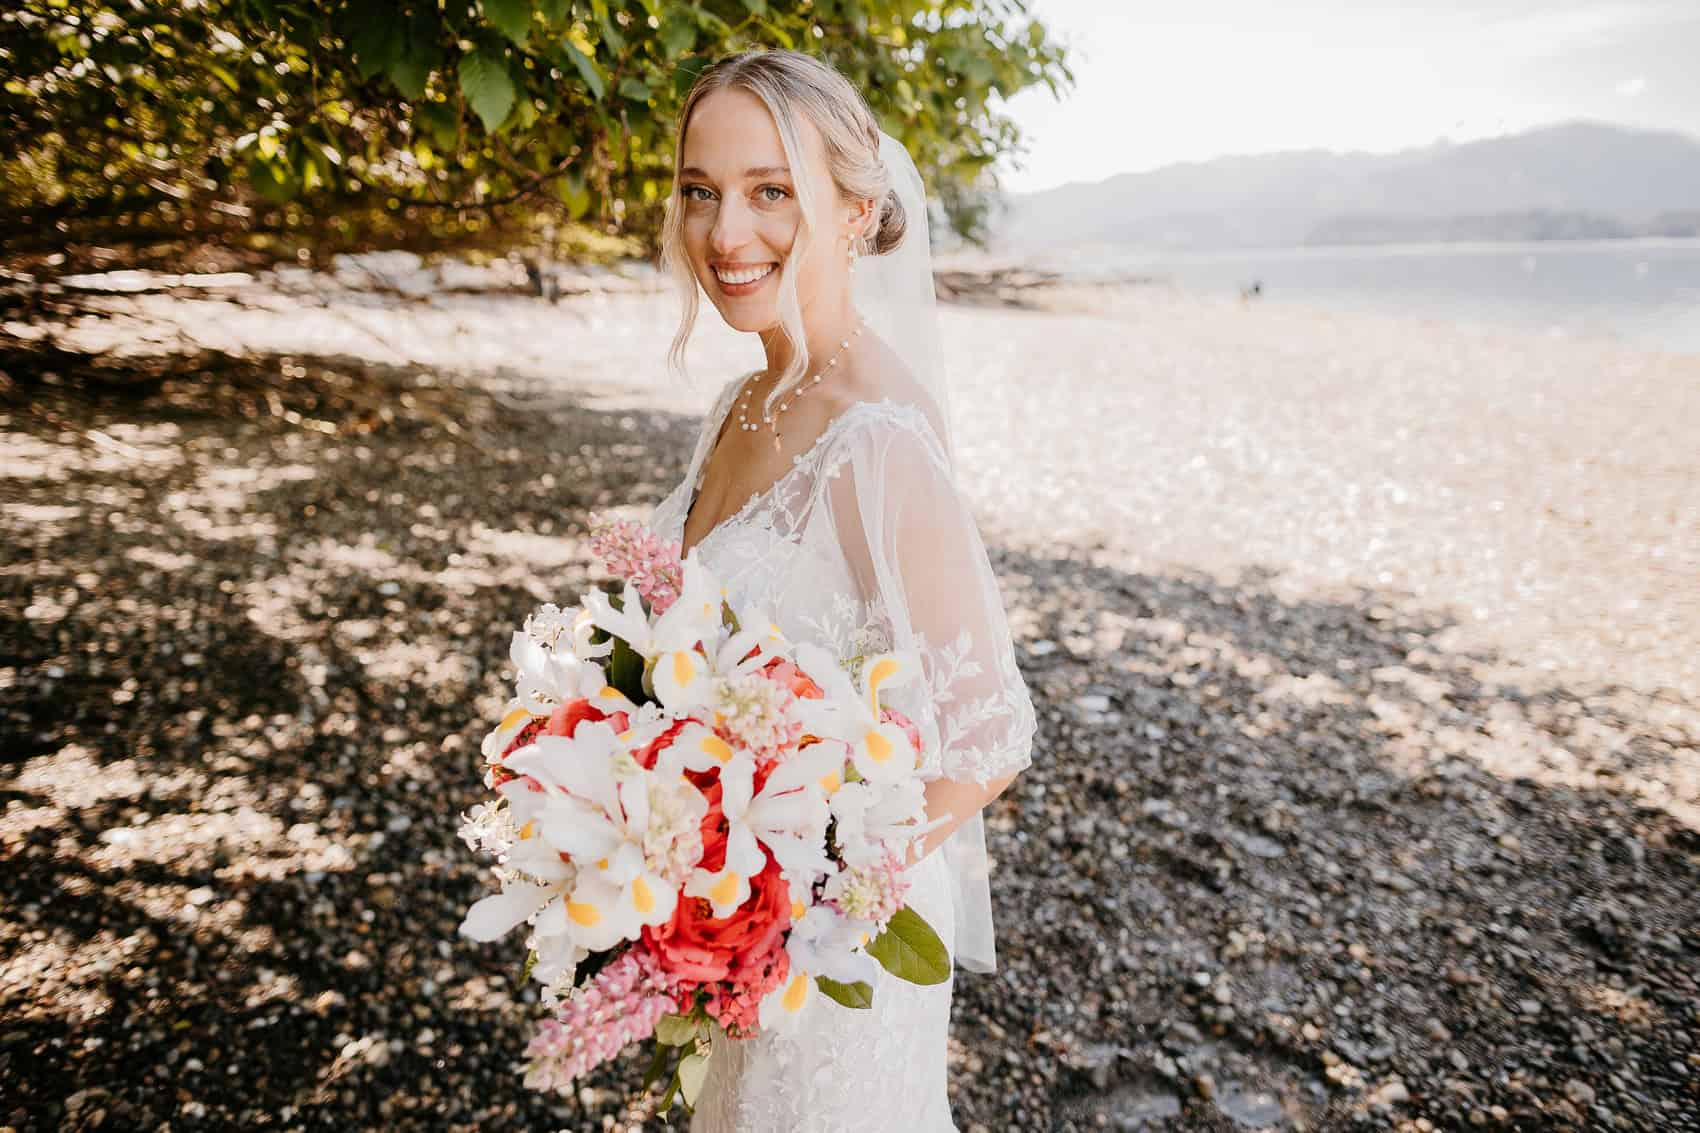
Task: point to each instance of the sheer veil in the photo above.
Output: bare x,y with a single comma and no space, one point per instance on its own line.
895,293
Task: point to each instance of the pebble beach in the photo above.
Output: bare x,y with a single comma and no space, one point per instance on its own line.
1367,788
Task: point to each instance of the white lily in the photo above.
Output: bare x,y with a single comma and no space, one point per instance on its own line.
874,817
514,718
788,816
535,878
548,677
880,751
821,943
680,672
595,809
696,748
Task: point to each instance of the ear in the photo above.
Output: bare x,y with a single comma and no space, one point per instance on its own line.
862,215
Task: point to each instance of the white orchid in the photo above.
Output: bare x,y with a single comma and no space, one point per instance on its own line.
596,809
881,751
536,885
514,718
680,672
788,817
821,943
874,818
546,678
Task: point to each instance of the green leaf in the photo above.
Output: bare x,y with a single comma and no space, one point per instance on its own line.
678,35
587,70
409,73
610,30
375,46
756,7
693,1068
686,73
436,121
858,995
635,89
553,11
625,672
511,17
656,1065
676,1030
418,55
571,189
488,87
273,180
910,950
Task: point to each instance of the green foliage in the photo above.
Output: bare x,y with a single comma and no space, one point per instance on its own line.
910,950
859,995
233,115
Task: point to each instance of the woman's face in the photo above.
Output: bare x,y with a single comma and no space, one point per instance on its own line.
742,216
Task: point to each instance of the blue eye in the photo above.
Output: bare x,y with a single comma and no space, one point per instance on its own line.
774,189
689,191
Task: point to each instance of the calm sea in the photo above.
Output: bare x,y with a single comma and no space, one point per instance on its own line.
1642,292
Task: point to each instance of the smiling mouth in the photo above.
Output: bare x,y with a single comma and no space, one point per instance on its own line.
741,276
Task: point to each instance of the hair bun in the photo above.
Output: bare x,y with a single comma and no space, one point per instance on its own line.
894,222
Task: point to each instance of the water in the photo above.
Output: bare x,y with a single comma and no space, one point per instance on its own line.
1642,292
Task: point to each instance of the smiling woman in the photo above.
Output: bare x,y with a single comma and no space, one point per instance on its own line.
832,508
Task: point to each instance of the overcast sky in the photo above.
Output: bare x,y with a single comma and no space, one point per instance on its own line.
1159,83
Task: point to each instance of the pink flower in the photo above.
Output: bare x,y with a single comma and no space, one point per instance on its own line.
620,1005
631,551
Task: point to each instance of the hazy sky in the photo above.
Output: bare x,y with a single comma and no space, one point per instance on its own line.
1164,82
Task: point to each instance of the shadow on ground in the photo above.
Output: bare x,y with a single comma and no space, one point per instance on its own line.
1276,863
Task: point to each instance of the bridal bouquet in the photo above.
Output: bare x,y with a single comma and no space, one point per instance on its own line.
702,823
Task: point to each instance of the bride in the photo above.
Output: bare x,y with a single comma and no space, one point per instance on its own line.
821,489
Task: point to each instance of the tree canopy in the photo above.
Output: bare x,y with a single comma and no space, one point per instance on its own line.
359,121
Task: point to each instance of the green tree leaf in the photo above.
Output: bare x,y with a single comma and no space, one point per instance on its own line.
635,89
572,192
488,87
678,34
587,69
910,950
859,995
511,17
610,31
409,74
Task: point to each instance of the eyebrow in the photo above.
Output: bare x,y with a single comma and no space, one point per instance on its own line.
753,171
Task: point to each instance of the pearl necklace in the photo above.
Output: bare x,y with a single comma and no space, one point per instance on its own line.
773,421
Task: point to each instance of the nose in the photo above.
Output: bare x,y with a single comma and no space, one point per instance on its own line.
732,227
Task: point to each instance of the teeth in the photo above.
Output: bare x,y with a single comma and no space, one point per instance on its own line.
748,276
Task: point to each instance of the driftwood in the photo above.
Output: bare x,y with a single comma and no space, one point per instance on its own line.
1018,286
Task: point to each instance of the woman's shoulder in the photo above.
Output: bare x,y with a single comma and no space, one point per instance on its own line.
890,429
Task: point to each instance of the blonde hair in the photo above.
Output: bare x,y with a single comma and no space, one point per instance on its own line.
788,82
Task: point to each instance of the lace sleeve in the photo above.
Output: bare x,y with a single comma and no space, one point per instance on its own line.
918,559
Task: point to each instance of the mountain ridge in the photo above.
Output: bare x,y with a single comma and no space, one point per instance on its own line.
1568,180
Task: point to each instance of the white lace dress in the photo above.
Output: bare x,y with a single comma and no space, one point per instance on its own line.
862,545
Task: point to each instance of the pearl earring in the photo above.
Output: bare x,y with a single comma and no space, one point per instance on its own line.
852,253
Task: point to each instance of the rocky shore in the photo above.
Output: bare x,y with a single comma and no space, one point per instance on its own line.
1360,802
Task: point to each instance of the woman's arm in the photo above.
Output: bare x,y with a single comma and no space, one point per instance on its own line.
917,553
